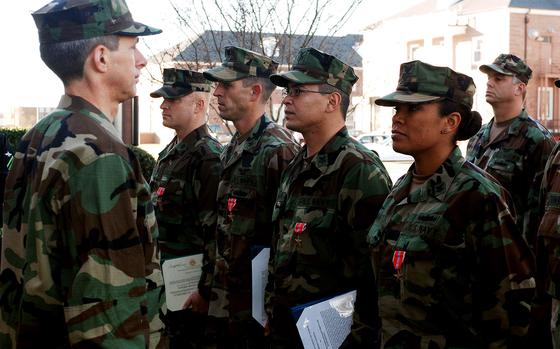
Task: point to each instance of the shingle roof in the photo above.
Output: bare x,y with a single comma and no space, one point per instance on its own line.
536,4
209,46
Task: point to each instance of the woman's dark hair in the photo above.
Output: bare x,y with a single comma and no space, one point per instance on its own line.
471,121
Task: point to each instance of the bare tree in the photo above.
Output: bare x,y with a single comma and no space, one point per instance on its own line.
275,28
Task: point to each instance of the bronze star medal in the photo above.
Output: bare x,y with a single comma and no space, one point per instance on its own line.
398,259
231,202
159,192
299,228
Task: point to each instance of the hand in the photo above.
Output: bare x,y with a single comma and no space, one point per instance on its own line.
197,303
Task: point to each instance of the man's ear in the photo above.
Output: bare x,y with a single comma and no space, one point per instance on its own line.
334,102
100,58
256,92
200,104
520,89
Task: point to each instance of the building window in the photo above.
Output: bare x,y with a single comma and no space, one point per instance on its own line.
545,103
438,41
477,52
414,48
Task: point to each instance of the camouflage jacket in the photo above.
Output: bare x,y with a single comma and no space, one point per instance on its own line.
246,197
80,265
324,209
548,236
467,277
516,159
184,184
548,249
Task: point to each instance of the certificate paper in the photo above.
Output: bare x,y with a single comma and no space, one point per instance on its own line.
181,277
259,266
328,323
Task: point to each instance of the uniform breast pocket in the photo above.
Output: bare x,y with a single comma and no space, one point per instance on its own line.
241,212
312,231
422,240
505,164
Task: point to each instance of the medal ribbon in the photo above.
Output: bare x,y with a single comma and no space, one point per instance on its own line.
231,204
299,228
160,191
398,259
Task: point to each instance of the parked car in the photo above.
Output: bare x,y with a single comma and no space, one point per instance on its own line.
369,138
382,144
387,153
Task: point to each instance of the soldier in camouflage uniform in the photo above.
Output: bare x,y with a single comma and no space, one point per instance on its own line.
184,184
513,147
327,200
252,164
548,242
452,268
80,265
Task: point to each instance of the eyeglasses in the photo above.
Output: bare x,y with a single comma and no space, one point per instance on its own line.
296,91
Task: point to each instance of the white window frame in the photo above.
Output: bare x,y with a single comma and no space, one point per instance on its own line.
541,113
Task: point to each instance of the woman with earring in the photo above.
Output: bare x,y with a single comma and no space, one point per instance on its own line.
452,269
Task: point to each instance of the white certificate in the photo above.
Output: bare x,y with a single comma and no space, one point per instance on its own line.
181,277
259,267
328,323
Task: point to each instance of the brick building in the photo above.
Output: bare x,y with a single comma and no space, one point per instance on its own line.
463,35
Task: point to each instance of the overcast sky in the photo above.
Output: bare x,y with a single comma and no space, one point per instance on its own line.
25,80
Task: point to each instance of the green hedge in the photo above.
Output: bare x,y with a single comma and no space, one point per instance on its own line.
147,161
14,135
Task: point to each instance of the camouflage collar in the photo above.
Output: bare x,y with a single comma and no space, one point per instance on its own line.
186,144
82,106
328,154
252,143
437,185
513,130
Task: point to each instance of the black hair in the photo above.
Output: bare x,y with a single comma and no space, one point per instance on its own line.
471,121
67,59
267,86
344,102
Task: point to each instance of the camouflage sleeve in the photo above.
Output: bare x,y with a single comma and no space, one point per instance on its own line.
277,162
90,257
533,214
548,246
361,196
206,190
503,276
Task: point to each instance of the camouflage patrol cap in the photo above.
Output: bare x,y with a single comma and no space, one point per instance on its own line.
241,63
420,82
69,20
315,67
179,82
511,65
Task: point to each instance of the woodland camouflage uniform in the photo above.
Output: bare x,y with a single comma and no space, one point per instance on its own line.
324,208
516,158
183,186
453,270
252,166
80,264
